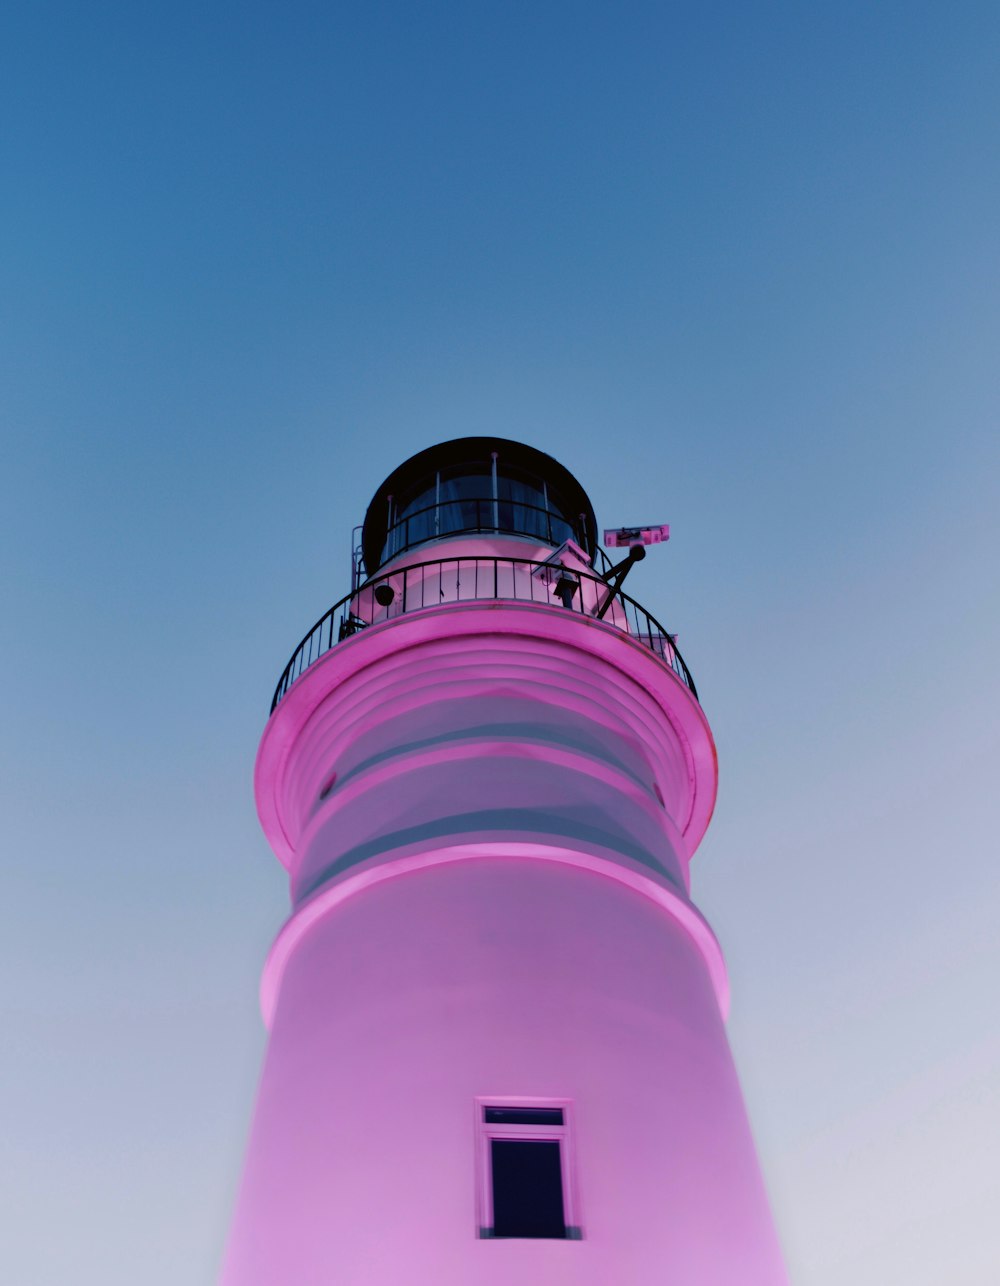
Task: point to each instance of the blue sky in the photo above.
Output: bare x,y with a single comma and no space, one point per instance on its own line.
737,266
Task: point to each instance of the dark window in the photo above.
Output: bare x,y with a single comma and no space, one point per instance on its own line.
527,1188
523,1115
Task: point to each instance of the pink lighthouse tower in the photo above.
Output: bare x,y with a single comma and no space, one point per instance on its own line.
497,1053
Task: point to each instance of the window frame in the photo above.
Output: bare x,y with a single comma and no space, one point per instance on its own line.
563,1134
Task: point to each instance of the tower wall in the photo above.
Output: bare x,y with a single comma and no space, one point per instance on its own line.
487,812
496,975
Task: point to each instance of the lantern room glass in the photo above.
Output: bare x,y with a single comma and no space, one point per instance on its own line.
486,495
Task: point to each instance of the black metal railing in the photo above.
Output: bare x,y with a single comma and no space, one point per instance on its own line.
469,579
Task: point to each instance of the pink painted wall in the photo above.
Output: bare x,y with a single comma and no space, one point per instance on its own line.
506,978
488,813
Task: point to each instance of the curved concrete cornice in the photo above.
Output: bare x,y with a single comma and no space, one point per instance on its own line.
437,653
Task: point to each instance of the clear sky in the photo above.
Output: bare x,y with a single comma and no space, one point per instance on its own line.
738,267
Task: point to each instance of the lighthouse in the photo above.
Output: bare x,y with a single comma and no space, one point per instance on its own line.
496,1051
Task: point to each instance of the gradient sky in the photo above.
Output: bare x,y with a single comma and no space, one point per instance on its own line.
738,267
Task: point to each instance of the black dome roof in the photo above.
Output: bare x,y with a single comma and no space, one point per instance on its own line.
573,500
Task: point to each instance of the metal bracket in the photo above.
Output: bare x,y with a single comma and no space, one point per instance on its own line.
614,576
